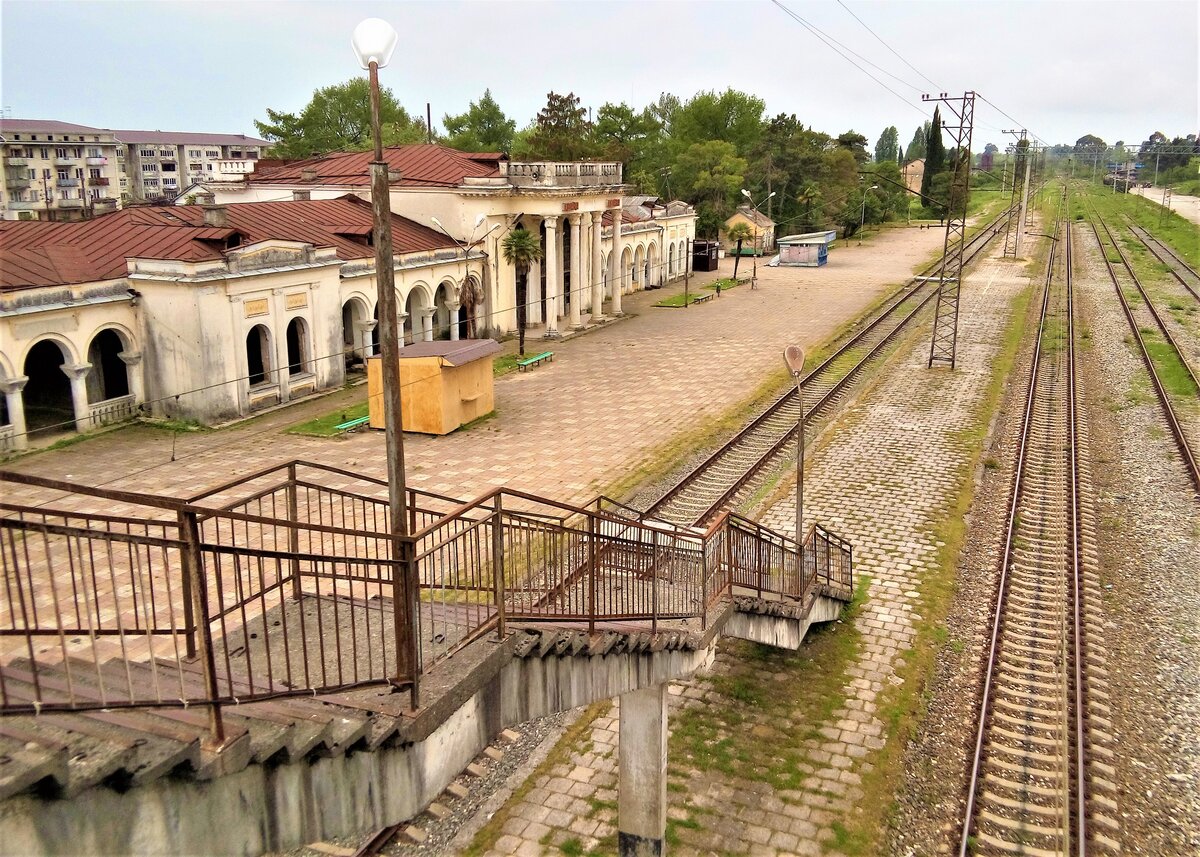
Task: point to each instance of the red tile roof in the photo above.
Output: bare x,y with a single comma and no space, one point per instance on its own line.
420,165
34,253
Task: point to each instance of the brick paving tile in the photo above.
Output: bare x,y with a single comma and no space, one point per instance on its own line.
879,481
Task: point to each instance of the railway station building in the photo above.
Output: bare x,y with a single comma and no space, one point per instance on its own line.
203,312
572,206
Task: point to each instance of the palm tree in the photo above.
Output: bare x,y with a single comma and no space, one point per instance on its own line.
521,249
739,232
809,196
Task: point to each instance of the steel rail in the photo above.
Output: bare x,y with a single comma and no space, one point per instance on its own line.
1162,325
1185,449
1035,456
898,299
1172,260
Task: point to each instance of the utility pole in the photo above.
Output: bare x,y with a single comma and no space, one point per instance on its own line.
1012,226
1024,201
943,346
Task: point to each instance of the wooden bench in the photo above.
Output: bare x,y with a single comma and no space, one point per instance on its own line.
699,299
352,424
535,360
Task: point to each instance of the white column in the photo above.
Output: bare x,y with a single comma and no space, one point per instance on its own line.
597,273
12,388
452,307
577,278
133,364
553,254
642,784
401,317
78,374
533,294
616,271
364,330
425,316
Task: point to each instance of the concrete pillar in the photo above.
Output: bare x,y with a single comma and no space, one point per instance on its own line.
78,372
452,308
553,255
533,294
615,272
642,788
577,278
597,260
402,317
364,329
12,388
133,368
425,316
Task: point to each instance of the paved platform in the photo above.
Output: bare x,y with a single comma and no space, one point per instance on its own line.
609,400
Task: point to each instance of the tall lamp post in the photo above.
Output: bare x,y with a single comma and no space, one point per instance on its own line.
467,246
373,41
862,219
793,356
754,272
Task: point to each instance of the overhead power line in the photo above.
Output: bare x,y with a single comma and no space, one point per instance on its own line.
886,45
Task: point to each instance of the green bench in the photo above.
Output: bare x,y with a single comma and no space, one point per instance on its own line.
352,424
535,360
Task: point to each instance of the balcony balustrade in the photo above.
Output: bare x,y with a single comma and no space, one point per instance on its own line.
65,162
16,182
70,203
22,205
97,162
13,161
98,181
68,182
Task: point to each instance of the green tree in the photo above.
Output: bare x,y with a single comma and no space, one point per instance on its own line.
625,135
482,128
854,143
521,248
888,144
916,148
1090,144
338,118
739,232
562,131
731,116
711,175
935,152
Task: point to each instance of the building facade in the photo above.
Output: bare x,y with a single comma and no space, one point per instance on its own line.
762,231
161,164
58,171
590,238
204,312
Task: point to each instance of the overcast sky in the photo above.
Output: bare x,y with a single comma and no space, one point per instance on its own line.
1063,69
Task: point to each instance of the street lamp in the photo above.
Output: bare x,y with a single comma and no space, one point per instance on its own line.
793,356
754,272
467,246
863,217
373,42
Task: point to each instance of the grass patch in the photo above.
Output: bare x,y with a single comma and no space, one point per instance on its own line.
326,426
504,364
678,300
1170,368
764,728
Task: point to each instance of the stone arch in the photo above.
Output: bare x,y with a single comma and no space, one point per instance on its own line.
443,318
299,346
259,368
671,261
626,266
472,320
109,376
638,274
654,274
355,313
418,304
47,394
684,261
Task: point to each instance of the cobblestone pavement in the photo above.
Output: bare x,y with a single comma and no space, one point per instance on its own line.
881,480
565,429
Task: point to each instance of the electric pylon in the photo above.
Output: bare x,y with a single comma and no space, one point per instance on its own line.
944,345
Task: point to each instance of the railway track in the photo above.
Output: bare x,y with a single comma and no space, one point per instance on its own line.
1180,270
1178,396
1030,790
716,481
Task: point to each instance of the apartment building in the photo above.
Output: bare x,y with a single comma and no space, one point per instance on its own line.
162,163
57,170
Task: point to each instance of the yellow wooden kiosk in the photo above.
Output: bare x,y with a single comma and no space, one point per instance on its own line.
444,385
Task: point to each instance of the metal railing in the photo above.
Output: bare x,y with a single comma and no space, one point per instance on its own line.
286,582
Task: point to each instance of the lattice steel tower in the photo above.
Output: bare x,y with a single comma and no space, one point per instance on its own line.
1012,226
944,345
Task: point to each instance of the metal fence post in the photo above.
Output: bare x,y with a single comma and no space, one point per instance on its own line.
293,502
498,565
593,559
189,531
406,604
654,582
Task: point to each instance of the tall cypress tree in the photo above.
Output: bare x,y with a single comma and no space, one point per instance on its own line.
935,152
900,158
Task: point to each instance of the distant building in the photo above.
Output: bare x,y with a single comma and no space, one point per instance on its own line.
162,163
203,312
762,229
914,172
58,171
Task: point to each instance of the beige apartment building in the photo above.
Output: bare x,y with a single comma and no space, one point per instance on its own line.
57,170
162,163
